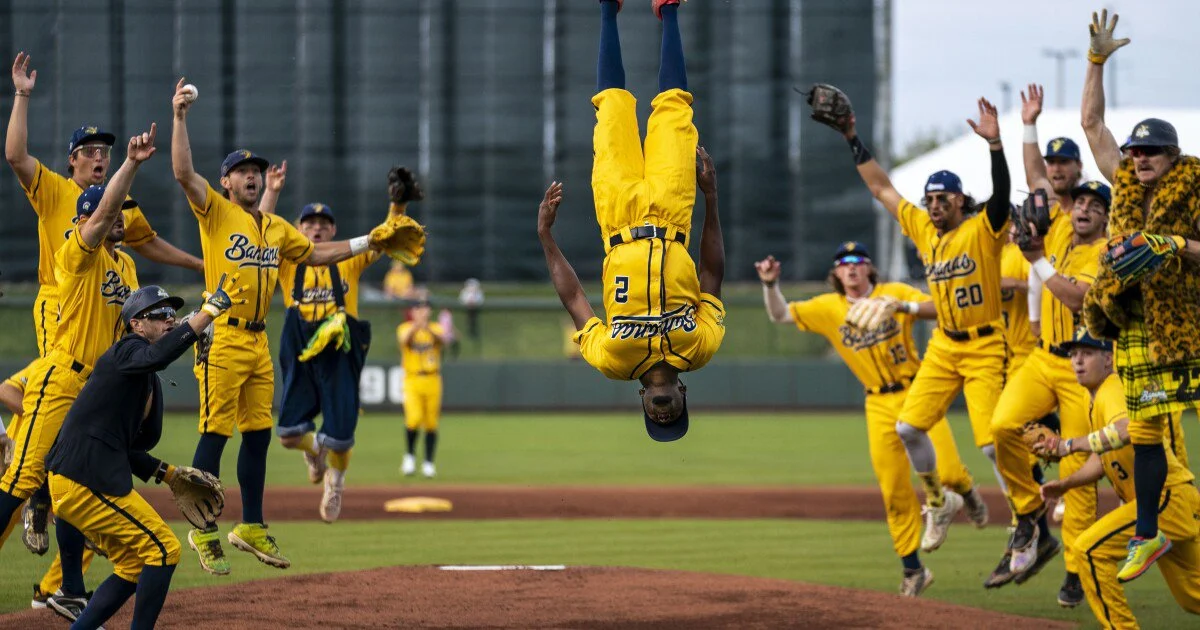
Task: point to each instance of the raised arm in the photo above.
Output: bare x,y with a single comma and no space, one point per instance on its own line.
768,273
566,283
1032,99
831,107
1100,139
712,243
16,142
276,176
193,184
159,250
96,228
988,128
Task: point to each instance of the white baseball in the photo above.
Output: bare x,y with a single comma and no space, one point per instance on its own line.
192,92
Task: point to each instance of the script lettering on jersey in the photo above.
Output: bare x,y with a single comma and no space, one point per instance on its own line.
857,339
114,290
246,254
647,326
957,267
320,295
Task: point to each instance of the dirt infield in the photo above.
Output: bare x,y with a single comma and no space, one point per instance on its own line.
481,502
578,597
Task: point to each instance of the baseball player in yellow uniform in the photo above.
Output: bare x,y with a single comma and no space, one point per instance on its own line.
94,279
885,361
421,344
969,350
1101,547
235,374
664,317
1014,308
53,198
1065,263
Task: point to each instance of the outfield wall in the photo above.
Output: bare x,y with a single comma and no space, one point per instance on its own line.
545,385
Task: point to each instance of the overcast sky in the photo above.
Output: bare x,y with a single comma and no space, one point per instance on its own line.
948,53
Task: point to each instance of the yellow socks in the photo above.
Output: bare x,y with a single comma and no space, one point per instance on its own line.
933,489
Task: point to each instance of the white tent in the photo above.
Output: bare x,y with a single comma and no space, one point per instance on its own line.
967,156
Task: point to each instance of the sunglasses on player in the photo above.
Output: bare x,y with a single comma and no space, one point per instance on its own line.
851,260
94,151
1138,152
160,314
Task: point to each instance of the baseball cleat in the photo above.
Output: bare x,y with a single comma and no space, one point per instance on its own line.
36,518
977,509
253,538
207,544
1002,574
316,464
331,500
1070,594
67,606
938,519
1024,542
916,583
657,5
1143,553
1047,549
408,466
428,470
39,597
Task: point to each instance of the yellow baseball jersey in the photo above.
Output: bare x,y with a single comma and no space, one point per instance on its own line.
1108,406
54,199
233,241
1077,263
883,357
20,379
422,356
962,267
92,288
317,301
1013,305
398,281
656,313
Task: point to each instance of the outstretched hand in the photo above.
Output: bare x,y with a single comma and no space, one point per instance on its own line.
182,99
23,79
768,269
1101,34
276,175
706,173
988,126
141,146
1031,105
225,296
548,209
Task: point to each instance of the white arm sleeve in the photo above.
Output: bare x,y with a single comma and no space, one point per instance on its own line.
1034,297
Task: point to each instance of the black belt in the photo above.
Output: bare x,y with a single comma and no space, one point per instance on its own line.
1056,350
645,231
890,388
246,324
965,335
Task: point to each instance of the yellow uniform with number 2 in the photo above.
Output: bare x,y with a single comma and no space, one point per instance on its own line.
885,361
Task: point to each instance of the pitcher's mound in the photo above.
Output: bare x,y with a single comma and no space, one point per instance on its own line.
577,597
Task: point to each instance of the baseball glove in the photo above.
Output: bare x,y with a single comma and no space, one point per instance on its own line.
199,495
1041,440
204,339
830,107
401,237
1032,220
334,331
1139,254
403,187
870,313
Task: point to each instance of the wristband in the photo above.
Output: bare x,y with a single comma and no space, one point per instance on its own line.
211,310
1067,445
994,141
861,153
1031,134
163,472
359,244
770,283
1033,299
1114,437
1094,442
1096,58
911,307
24,93
1043,269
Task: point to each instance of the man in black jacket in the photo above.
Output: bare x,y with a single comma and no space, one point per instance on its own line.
105,441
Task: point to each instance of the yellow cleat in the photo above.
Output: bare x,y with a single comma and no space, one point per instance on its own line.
1143,553
253,538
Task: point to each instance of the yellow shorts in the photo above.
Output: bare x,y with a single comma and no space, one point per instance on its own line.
422,402
52,388
631,188
45,318
126,528
237,383
977,368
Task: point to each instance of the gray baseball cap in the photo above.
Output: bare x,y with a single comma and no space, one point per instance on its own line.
145,299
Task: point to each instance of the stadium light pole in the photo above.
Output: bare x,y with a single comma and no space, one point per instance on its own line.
1060,56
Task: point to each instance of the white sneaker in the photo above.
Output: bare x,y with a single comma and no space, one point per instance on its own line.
915,584
937,521
408,466
428,470
331,500
316,464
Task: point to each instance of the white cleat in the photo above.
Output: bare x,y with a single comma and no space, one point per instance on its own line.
316,465
915,584
428,470
331,500
408,466
977,510
938,520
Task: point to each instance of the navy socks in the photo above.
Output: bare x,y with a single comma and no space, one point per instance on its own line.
610,70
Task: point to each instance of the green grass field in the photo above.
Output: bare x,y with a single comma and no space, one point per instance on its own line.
732,449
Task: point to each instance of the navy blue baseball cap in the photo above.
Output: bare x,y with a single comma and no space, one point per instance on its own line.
668,432
1100,189
852,249
242,156
1062,148
146,298
87,133
943,181
317,210
90,198
1084,339
1152,132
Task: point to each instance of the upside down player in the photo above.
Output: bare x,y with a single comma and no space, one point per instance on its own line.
884,360
968,351
662,318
